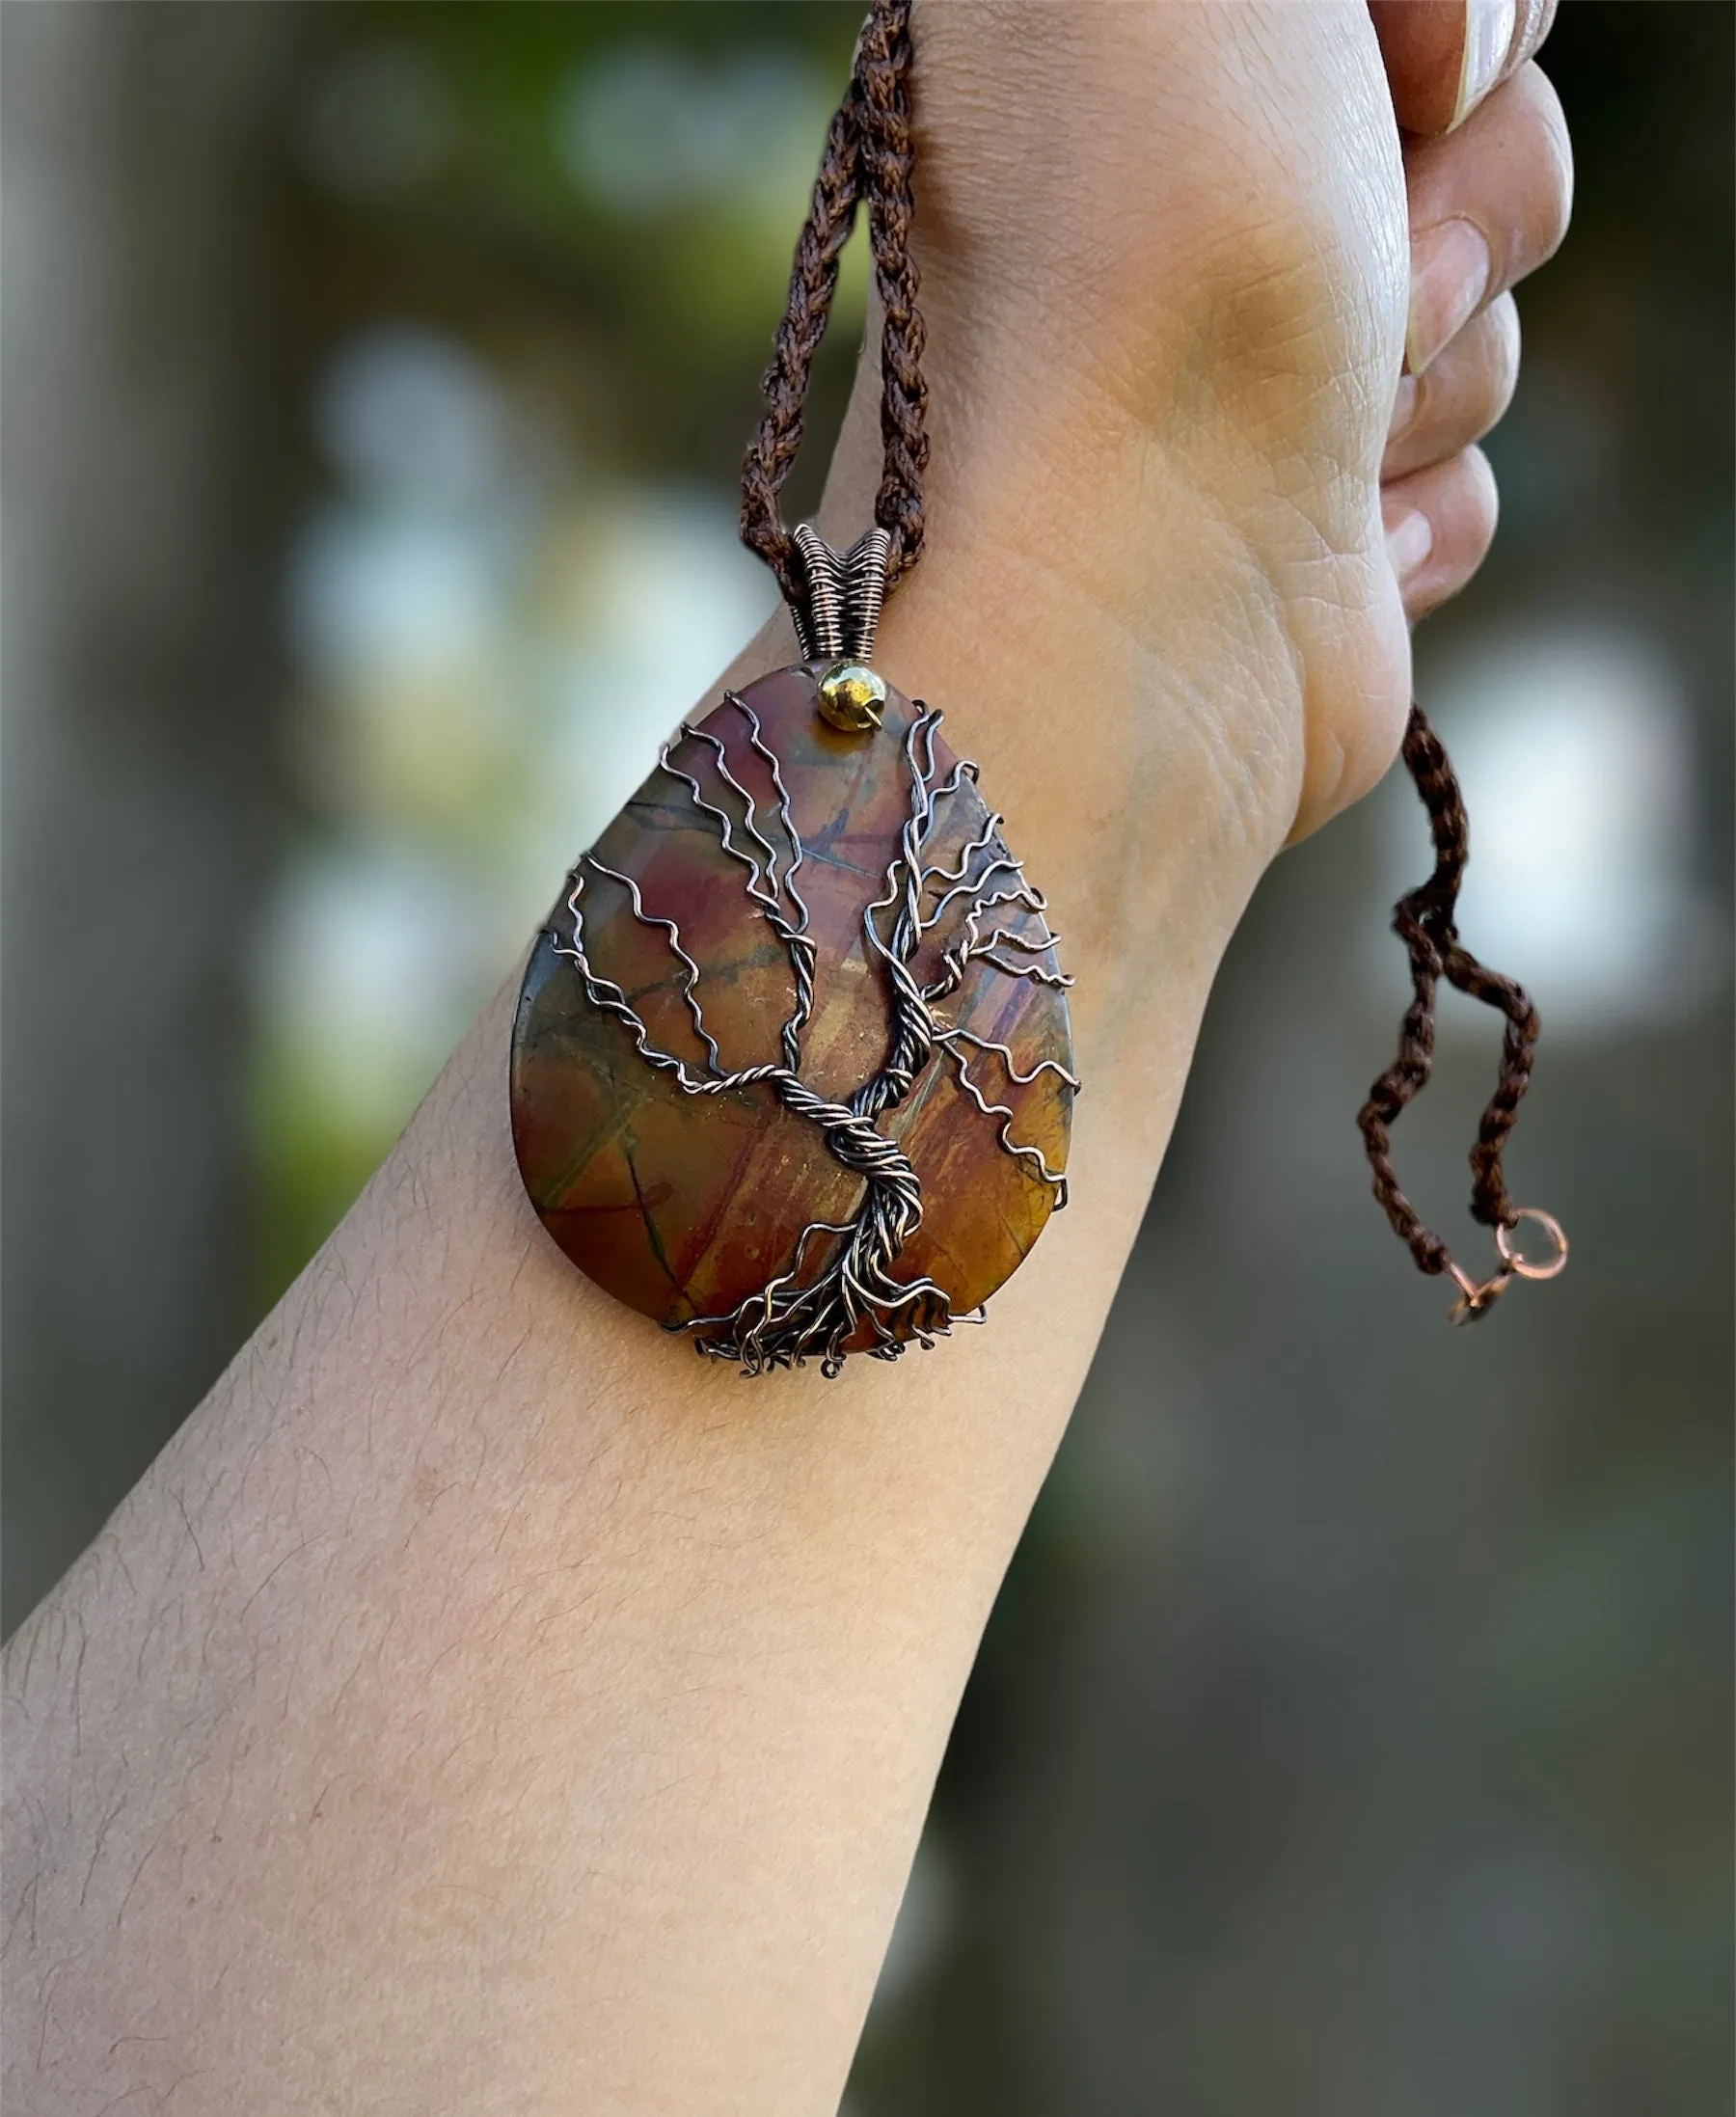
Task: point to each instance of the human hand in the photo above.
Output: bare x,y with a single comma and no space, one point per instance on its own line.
1166,256
1488,174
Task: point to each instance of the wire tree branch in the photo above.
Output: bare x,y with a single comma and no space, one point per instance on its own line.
851,1298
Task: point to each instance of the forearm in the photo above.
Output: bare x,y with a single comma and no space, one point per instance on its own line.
484,1703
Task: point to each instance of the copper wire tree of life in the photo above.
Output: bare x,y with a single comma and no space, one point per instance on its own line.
879,981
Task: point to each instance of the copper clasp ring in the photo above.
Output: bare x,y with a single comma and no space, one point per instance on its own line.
1545,1268
1475,1299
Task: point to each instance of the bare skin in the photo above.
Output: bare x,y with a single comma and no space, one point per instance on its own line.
483,1704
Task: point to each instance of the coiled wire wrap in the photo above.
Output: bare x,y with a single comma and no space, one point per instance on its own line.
837,616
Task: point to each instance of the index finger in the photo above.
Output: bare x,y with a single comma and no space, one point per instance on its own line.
1444,56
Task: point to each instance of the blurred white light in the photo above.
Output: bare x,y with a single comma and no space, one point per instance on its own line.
369,969
669,597
496,651
1576,757
635,126
496,684
404,574
388,595
407,414
642,129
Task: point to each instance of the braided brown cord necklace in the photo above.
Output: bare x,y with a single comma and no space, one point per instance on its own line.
1423,920
804,1119
867,160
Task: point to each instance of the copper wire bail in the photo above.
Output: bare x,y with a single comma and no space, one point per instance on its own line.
837,617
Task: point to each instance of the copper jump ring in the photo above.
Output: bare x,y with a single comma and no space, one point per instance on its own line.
1524,1266
1477,1299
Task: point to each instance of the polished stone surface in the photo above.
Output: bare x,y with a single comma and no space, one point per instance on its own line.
684,1206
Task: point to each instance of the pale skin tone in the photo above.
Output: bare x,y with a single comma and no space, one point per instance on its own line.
483,1704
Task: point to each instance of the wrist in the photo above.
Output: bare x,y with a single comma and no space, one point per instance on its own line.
1111,646
1161,345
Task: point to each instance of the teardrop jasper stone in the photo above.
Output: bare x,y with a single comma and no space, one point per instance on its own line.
688,1202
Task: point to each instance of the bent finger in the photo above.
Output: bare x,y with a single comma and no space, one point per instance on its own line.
1458,397
1487,204
1443,57
1439,526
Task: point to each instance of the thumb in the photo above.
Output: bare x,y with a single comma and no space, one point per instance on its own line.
1444,56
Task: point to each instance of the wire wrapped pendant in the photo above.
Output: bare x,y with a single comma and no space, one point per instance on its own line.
792,1062
792,1068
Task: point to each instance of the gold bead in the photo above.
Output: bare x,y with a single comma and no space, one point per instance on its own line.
852,698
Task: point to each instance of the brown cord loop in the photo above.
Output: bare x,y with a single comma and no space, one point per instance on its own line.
1423,920
868,159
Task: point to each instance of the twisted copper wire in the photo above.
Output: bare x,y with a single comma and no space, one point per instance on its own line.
868,158
856,1289
1425,921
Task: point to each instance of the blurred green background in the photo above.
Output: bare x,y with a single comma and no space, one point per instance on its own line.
1353,1735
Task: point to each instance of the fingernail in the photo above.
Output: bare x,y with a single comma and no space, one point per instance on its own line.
1450,276
1404,407
1409,542
1489,26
